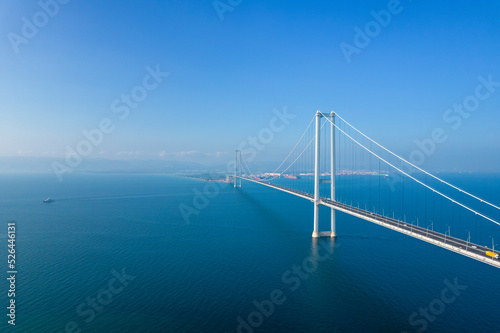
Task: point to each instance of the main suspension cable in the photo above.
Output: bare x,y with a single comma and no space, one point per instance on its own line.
418,181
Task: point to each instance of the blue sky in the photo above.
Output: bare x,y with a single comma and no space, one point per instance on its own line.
227,76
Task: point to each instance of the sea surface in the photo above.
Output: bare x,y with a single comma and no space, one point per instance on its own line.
157,253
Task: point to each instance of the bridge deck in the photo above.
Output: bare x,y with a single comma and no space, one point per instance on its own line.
471,250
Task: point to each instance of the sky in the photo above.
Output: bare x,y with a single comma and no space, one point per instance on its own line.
192,80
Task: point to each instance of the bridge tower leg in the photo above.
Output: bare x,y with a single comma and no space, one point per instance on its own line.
317,181
332,173
237,168
316,176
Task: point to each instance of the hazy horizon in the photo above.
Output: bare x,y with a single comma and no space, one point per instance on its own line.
192,82
137,91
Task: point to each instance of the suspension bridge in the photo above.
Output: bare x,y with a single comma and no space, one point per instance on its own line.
333,164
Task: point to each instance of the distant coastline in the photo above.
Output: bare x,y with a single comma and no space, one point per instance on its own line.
208,177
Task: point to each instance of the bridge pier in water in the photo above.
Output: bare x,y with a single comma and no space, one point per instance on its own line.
317,181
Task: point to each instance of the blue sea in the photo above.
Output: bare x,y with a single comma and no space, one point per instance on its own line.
157,253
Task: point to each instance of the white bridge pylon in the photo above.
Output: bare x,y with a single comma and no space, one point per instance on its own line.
317,159
238,174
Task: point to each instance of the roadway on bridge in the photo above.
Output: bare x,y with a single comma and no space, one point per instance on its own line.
472,250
